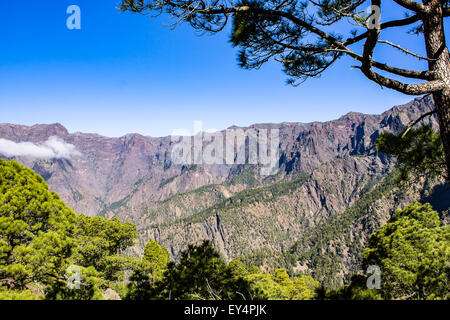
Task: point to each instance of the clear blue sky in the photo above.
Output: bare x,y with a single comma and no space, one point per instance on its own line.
125,73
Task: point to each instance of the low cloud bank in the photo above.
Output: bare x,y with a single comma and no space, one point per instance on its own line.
53,148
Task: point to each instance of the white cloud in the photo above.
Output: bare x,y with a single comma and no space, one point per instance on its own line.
53,148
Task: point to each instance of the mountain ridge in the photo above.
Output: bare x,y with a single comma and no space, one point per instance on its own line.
109,168
325,169
348,115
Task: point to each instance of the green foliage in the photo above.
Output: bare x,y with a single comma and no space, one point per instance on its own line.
147,271
100,241
238,268
418,151
250,196
6,294
41,239
35,228
356,290
304,288
413,252
244,175
279,286
167,181
312,247
157,257
264,283
90,286
201,273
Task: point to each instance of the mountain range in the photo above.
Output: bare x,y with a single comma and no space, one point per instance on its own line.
333,189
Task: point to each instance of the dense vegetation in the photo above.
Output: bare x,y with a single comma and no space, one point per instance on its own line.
412,251
44,244
201,273
419,152
311,248
249,196
49,252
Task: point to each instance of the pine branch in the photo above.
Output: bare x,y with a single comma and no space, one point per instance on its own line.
413,123
406,51
385,25
367,63
333,43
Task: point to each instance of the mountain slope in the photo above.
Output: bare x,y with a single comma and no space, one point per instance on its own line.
112,169
332,190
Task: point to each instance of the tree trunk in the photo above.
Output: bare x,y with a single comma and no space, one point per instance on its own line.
442,102
439,63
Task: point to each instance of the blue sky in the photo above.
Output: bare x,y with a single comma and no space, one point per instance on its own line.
124,73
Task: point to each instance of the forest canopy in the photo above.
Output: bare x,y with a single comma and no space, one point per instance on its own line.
49,252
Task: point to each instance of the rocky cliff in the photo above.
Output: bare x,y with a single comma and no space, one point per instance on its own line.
327,172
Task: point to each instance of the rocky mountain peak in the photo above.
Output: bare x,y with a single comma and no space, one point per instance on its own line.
138,168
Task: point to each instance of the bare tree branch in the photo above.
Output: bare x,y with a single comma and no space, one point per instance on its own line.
406,51
367,63
334,44
414,122
386,25
412,5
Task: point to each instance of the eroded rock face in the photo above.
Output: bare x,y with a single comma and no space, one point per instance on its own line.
271,219
135,169
242,213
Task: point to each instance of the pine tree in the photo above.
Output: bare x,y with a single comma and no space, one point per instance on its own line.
413,253
42,241
307,37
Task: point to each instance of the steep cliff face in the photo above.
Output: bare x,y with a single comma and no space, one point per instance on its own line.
272,217
312,215
134,169
108,169
332,249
